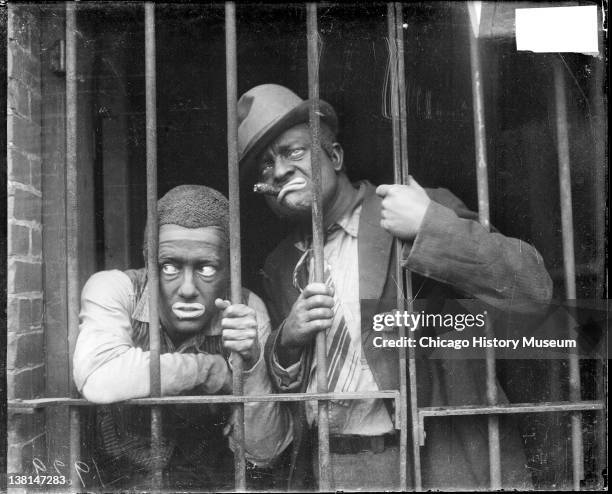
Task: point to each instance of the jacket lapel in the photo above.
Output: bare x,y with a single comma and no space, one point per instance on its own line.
374,248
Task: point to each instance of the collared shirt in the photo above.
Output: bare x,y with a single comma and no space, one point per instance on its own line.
362,417
111,362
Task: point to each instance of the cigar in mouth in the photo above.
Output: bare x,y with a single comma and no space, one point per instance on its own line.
267,189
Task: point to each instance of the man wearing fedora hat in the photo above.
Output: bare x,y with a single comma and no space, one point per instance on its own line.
451,257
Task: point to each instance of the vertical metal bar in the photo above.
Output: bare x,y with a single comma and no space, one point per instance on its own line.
72,203
407,281
483,216
598,123
397,166
152,227
399,272
231,77
75,449
312,35
567,228
72,227
152,239
479,133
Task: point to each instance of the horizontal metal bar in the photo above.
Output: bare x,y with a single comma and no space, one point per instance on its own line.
494,410
29,406
195,400
561,406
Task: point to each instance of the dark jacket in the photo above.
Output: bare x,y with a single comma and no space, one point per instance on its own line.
452,258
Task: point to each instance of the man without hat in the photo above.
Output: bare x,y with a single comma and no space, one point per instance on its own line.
450,255
199,329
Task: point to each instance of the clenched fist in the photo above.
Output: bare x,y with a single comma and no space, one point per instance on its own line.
239,325
403,208
312,312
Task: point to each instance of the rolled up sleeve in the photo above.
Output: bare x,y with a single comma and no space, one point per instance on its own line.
286,379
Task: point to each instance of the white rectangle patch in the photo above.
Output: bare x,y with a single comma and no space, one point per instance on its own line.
557,29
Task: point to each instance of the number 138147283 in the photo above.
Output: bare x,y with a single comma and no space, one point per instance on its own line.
57,475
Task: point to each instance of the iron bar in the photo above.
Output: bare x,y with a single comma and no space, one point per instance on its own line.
401,299
567,231
483,216
400,176
72,202
312,36
72,228
22,406
37,403
152,239
231,77
544,407
397,168
75,449
407,280
509,409
599,125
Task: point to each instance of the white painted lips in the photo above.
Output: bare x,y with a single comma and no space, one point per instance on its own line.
188,311
295,184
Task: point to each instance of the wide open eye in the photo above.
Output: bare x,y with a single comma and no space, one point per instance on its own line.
169,269
207,271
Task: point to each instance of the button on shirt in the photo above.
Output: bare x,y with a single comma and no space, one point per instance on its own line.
362,417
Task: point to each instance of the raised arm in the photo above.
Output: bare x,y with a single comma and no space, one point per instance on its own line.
444,241
504,272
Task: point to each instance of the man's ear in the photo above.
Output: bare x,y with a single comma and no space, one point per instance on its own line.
337,156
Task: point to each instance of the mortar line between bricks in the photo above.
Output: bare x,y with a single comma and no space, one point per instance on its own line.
10,112
27,188
26,50
31,440
29,259
25,295
26,85
13,111
33,224
15,372
35,330
24,154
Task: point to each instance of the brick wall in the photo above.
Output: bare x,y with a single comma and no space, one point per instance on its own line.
25,302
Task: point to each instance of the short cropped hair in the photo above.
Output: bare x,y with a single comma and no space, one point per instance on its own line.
193,206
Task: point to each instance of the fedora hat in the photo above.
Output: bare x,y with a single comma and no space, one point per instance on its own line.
267,110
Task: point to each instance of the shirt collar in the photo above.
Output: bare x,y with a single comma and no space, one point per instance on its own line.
349,222
141,311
